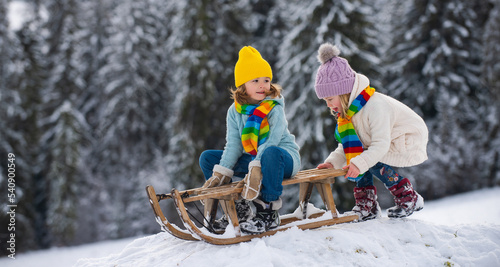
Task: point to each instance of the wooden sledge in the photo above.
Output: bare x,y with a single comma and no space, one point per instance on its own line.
322,179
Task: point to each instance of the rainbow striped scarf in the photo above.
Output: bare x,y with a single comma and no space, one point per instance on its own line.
345,133
256,128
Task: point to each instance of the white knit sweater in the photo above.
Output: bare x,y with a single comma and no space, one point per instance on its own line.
390,131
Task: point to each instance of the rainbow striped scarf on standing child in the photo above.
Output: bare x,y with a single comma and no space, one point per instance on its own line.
256,128
345,133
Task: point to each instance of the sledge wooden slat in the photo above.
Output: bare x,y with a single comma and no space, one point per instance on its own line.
222,192
322,179
230,209
312,175
294,219
210,210
244,238
232,191
327,196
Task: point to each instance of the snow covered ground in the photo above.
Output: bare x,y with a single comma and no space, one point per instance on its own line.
462,230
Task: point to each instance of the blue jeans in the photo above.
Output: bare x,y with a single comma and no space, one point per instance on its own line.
275,162
385,173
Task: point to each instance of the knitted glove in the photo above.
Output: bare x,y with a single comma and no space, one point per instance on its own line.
220,176
253,181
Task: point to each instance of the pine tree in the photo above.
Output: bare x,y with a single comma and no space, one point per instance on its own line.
435,70
26,72
268,30
491,37
93,37
64,142
342,23
63,125
6,54
490,70
9,99
204,47
345,24
134,108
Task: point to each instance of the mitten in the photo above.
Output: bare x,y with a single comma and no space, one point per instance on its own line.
253,181
220,176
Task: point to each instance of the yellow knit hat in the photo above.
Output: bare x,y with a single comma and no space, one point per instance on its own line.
250,65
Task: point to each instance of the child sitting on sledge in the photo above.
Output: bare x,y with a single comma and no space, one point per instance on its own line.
375,133
258,146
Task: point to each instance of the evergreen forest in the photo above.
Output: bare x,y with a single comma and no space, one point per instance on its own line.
99,98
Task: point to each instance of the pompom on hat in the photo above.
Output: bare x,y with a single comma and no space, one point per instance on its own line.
250,65
334,76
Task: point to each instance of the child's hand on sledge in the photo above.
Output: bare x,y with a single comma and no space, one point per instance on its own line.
325,166
353,171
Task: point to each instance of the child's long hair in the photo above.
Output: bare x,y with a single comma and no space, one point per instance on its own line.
344,102
240,94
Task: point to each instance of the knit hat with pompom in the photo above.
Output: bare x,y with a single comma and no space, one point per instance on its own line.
335,76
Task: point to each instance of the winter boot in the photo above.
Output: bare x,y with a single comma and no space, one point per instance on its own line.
267,217
407,200
367,207
243,211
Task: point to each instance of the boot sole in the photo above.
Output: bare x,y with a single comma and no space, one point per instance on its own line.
419,205
403,215
255,232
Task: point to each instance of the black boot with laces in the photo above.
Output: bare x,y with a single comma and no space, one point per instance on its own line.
243,211
266,218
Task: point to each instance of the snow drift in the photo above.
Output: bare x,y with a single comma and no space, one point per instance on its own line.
458,231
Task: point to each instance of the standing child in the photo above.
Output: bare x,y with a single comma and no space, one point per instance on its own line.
258,145
375,133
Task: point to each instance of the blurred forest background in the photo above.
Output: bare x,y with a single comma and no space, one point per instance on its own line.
101,97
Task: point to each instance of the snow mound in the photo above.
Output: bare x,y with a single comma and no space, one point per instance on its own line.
460,230
381,242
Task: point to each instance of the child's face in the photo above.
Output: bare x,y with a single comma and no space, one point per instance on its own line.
333,102
258,88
